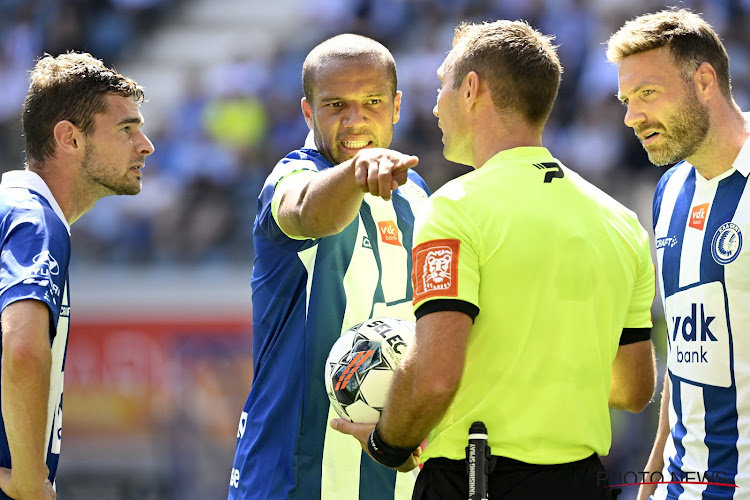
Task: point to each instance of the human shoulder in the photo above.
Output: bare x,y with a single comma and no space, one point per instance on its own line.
301,160
24,206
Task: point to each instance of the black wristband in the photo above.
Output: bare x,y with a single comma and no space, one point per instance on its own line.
385,454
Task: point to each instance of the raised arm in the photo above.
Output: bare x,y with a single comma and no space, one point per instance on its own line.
314,206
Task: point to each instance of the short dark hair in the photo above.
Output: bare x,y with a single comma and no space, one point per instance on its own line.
347,46
691,41
71,87
519,64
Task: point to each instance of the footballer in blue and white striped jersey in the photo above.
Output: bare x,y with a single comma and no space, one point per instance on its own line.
306,293
35,251
701,227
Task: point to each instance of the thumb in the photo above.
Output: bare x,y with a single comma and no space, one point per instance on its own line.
342,425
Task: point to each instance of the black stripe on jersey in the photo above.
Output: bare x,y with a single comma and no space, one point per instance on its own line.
633,335
447,305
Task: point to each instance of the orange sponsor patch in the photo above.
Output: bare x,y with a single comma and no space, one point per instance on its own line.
698,216
435,269
389,232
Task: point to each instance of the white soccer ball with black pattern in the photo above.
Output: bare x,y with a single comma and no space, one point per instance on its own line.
360,367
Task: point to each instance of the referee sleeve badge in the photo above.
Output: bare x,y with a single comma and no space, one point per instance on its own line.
435,269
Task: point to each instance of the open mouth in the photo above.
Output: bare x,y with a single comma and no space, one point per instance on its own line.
355,144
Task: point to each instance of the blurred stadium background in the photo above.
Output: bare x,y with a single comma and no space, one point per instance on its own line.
159,358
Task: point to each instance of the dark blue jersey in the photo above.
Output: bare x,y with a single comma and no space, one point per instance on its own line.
306,293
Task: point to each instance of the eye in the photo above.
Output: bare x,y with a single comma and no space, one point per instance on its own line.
334,104
374,101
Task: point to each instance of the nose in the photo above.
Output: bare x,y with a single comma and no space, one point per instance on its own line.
435,111
633,116
354,115
145,146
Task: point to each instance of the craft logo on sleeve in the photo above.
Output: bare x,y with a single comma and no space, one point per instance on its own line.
698,216
436,269
389,232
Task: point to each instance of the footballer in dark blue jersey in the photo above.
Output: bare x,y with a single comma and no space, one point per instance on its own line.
82,125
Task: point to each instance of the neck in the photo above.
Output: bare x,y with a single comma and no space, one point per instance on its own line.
74,202
502,134
728,133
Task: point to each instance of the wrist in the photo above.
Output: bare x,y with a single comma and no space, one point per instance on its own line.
384,453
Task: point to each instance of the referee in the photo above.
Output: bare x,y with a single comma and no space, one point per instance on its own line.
532,291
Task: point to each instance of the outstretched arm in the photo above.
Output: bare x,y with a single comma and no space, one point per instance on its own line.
325,203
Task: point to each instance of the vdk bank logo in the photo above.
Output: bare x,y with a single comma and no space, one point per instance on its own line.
699,335
693,328
698,216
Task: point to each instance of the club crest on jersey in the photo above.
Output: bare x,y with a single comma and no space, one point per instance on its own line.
435,270
727,243
698,216
389,232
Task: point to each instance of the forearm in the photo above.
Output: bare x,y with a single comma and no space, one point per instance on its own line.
410,413
633,377
25,391
656,458
26,364
427,380
323,206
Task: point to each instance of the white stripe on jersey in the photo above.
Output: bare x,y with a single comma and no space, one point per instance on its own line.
307,257
54,400
341,453
693,413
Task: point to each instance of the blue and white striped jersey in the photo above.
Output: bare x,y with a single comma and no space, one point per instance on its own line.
34,253
306,293
704,276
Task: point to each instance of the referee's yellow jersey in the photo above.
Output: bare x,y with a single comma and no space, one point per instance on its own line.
557,269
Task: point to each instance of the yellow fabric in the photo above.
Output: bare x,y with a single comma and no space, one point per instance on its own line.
557,270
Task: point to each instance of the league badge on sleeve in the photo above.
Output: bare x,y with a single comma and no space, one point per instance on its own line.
435,270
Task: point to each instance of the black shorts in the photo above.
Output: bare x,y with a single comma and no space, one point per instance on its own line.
443,479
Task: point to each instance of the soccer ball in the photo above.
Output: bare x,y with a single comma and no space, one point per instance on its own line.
360,367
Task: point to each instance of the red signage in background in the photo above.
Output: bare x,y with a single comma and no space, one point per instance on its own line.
133,378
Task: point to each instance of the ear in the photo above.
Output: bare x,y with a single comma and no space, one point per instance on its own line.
307,113
705,81
68,139
397,107
471,89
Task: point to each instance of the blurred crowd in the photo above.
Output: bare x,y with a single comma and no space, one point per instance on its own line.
237,117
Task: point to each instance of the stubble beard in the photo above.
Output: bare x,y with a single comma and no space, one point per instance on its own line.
103,176
687,133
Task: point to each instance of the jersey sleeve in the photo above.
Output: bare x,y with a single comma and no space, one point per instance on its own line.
35,255
644,290
445,257
270,196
